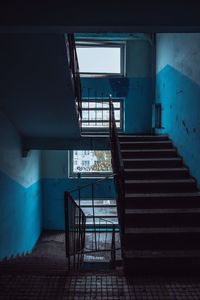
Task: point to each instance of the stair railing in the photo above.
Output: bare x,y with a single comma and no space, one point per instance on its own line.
74,67
118,168
75,227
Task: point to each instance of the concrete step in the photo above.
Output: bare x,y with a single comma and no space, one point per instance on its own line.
162,262
162,200
149,153
152,162
131,137
160,185
126,145
156,173
161,253
162,238
173,217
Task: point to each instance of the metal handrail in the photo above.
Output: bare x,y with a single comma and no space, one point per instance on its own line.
112,248
118,167
94,182
74,66
75,227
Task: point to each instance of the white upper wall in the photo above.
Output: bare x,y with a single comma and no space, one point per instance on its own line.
181,51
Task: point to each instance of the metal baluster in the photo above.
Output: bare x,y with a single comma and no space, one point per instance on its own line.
95,96
102,110
94,221
88,105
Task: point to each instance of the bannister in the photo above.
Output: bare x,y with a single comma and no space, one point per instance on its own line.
74,67
75,228
118,168
75,221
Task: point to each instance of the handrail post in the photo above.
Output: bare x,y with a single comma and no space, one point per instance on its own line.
94,221
67,229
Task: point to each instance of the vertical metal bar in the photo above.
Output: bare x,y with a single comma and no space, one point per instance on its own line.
79,196
95,93
102,109
94,221
88,105
113,250
74,237
67,230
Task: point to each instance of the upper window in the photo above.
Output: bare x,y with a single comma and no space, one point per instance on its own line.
95,113
101,59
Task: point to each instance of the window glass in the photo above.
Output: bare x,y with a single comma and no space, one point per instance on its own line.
99,60
90,162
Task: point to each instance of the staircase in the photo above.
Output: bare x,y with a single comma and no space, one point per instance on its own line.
162,207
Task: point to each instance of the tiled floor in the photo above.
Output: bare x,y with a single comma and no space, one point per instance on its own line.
43,276
97,285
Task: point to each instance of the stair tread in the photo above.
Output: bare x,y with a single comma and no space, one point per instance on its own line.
152,159
159,195
148,150
143,135
155,169
144,181
161,253
152,230
162,210
146,142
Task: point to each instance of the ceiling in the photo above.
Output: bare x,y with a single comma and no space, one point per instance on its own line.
36,89
100,16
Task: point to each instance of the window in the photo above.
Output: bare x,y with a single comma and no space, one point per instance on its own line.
96,163
100,58
95,114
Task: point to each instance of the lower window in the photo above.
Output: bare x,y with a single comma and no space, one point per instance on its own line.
90,163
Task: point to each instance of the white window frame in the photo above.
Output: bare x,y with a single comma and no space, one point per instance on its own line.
105,44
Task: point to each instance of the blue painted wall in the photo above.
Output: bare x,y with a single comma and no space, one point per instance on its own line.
136,96
178,90
20,194
135,88
56,181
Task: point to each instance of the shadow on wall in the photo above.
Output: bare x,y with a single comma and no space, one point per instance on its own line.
179,97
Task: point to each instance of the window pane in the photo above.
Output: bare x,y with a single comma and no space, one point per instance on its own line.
99,112
91,161
99,59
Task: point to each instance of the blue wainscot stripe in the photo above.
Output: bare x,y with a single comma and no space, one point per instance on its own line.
20,216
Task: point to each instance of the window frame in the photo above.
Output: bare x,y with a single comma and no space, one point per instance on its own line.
115,100
86,175
104,44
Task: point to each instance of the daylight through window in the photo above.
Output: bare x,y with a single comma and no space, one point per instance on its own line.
95,113
93,162
100,58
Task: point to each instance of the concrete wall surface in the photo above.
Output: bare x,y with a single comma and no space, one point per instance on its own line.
134,88
56,181
20,194
178,91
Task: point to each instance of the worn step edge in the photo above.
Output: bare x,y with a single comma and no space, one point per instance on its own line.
161,195
155,254
145,142
152,159
162,211
147,150
159,181
183,169
163,230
